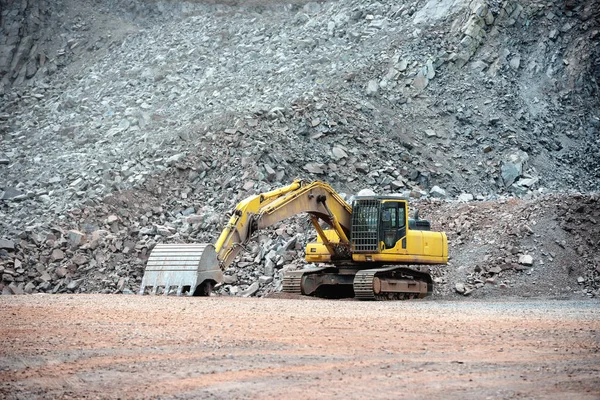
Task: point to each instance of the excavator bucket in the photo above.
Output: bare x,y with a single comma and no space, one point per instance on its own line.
190,269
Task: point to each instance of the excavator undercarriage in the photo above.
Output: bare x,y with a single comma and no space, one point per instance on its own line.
377,283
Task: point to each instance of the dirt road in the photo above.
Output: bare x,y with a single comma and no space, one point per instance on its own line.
103,346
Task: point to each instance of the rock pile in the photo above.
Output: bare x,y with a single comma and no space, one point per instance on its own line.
546,247
124,140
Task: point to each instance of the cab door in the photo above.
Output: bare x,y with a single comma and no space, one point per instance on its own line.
392,226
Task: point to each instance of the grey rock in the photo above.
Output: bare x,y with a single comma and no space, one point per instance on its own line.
7,244
515,62
338,153
263,280
512,167
365,192
495,270
528,182
438,192
421,81
372,87
402,65
10,193
526,259
271,174
362,167
29,288
187,212
580,280
430,70
175,158
315,168
74,284
397,184
61,272
75,237
290,244
251,290
57,255
45,277
16,289
233,290
459,288
465,197
269,267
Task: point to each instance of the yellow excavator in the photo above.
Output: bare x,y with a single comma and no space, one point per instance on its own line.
370,250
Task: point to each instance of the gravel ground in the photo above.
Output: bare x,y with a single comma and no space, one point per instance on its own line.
109,346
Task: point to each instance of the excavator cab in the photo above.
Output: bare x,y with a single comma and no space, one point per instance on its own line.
378,224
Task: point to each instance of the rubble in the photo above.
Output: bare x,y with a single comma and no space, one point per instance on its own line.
110,144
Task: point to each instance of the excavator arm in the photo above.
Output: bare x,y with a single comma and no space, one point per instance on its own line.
194,269
256,212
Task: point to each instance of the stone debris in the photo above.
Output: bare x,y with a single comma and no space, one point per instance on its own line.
526,259
110,144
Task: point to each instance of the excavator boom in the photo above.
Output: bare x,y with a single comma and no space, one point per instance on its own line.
263,210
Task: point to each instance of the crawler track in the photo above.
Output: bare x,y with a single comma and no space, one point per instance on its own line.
370,284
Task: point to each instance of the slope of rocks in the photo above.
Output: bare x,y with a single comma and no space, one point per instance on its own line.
156,118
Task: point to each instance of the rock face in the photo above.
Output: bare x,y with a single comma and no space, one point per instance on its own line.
24,29
110,144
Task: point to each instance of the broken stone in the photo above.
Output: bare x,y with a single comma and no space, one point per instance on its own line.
515,62
315,168
495,270
362,167
528,182
7,244
74,284
395,185
29,288
372,87
459,288
271,174
175,158
57,255
465,197
11,193
76,238
438,192
421,81
252,289
79,259
16,289
512,167
61,272
526,259
338,153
